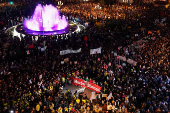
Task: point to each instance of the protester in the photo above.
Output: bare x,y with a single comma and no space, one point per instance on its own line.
33,80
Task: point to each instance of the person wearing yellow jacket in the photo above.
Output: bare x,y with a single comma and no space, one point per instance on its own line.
77,100
84,101
71,105
63,81
39,92
60,109
70,108
73,74
66,109
51,88
51,106
74,97
37,107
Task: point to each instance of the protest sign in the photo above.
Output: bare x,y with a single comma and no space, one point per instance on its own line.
130,61
62,62
69,51
95,51
88,85
28,52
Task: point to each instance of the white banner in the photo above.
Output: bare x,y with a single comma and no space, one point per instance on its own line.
68,51
130,61
122,58
95,51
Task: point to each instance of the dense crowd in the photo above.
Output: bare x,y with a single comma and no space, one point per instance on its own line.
34,81
95,11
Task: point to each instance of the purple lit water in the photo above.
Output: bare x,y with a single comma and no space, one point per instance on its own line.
46,18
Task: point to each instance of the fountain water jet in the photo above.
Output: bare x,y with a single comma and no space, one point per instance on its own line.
46,18
46,21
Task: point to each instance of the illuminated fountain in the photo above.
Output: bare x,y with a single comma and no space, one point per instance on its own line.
46,18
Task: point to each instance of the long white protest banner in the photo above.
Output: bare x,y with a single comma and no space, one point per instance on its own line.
130,61
69,51
95,51
122,58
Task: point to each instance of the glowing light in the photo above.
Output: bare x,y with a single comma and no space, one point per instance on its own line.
11,3
78,29
71,24
60,3
11,111
46,18
15,33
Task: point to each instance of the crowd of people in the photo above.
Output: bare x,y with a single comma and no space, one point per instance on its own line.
95,11
32,80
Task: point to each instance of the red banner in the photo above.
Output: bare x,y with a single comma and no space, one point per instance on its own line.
78,82
93,87
86,84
